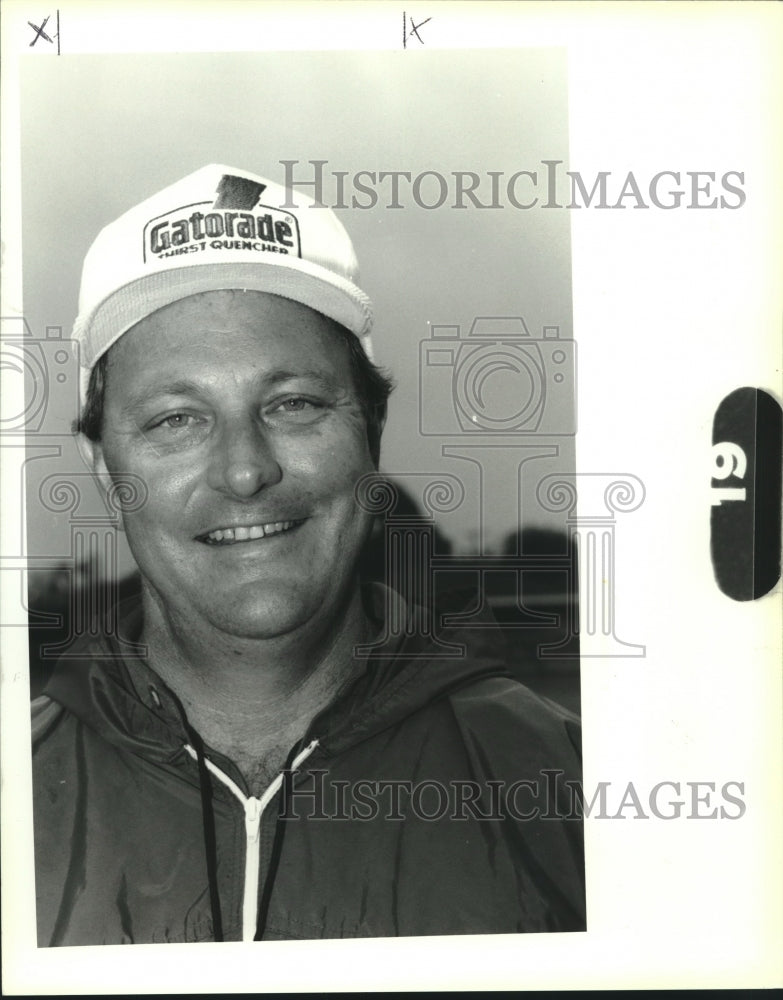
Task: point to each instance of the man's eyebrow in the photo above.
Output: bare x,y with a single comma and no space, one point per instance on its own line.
321,378
185,387
181,387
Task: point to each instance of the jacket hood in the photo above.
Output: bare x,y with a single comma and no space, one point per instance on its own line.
123,700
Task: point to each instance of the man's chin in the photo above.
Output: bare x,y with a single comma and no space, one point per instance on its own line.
260,615
257,623
269,609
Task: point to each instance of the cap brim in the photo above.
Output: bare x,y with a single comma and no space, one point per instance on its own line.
300,280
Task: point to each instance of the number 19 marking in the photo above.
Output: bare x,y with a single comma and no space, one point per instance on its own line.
728,460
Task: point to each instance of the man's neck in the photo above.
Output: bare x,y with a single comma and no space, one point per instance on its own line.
251,700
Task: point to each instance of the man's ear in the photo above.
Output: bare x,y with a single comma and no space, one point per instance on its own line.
380,423
92,455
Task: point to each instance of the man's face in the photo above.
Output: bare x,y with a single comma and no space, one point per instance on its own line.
239,412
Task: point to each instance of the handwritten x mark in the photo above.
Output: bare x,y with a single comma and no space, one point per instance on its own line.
415,27
39,32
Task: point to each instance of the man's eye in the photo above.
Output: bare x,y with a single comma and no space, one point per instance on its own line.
297,404
175,422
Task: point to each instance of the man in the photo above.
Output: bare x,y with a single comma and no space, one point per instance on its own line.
256,776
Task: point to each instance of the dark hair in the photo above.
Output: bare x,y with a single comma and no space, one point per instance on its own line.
372,383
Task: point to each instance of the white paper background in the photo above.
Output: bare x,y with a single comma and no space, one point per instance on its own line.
672,310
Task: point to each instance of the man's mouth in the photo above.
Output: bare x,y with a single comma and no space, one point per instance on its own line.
230,536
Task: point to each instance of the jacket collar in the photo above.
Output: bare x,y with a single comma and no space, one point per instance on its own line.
123,699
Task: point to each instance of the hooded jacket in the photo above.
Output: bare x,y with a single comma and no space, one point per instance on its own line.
435,796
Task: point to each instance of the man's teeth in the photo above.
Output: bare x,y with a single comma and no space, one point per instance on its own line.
245,534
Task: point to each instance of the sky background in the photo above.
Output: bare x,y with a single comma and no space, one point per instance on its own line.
101,133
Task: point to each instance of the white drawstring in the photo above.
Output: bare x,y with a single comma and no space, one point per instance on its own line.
254,808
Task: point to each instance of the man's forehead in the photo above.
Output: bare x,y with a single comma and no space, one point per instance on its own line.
233,303
209,321
201,342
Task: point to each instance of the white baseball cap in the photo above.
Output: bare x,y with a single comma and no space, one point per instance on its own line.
218,228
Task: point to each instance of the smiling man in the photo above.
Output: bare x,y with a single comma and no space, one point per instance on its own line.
253,777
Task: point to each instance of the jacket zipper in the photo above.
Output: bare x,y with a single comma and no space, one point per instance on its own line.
254,809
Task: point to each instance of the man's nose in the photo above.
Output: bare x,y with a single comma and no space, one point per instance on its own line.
243,461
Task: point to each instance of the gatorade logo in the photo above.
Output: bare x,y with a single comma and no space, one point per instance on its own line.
233,221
